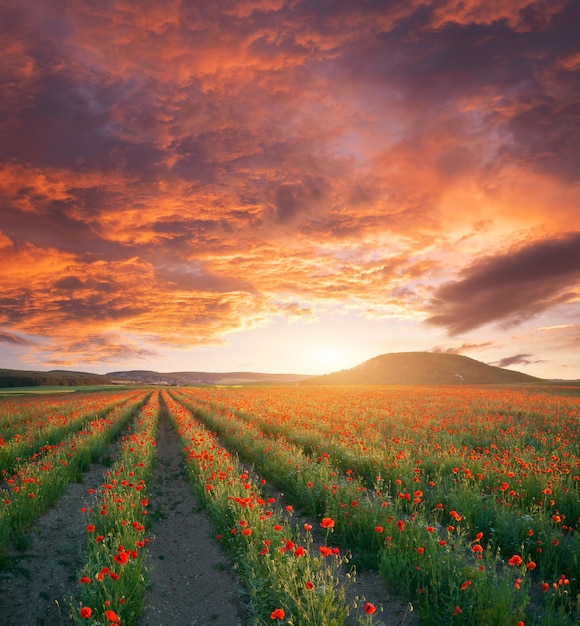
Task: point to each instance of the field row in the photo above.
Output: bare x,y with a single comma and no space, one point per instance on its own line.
467,501
486,531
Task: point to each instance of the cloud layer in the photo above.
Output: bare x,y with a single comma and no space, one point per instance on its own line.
171,172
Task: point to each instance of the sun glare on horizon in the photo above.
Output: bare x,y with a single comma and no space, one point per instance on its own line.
329,358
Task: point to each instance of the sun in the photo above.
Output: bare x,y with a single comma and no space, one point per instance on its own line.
328,358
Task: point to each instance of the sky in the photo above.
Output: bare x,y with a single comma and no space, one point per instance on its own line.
289,186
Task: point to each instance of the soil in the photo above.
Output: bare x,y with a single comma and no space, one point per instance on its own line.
191,581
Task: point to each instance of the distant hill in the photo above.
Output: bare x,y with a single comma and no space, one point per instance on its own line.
203,378
422,368
59,378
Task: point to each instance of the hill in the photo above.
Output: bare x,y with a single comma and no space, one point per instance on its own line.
203,378
59,378
422,368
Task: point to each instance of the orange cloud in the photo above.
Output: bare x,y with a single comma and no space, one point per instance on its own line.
173,172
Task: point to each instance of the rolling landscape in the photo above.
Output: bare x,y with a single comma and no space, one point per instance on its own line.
290,313
405,368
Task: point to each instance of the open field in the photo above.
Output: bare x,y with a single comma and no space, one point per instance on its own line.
460,502
56,389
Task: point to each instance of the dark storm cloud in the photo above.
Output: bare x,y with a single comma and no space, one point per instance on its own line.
511,287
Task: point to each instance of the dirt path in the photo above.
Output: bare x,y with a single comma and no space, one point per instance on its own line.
191,579
39,580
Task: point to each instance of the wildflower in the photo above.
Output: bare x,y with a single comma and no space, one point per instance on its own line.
121,558
247,532
309,584
324,551
457,610
327,522
379,529
370,608
277,527
277,614
401,525
86,612
477,548
515,560
299,551
85,579
307,527
421,550
545,587
465,585
531,565
112,616
90,528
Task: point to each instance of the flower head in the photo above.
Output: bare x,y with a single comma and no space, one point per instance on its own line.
370,608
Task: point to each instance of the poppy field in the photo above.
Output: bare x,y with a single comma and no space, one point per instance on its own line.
466,500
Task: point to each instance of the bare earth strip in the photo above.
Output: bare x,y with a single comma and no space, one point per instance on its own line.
191,581
39,580
191,578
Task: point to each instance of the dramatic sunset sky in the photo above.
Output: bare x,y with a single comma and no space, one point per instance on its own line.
289,185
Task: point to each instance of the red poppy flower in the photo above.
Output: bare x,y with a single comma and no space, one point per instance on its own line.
86,612
309,584
370,608
112,616
277,614
327,522
515,560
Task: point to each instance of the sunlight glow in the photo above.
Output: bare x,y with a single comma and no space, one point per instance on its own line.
329,358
